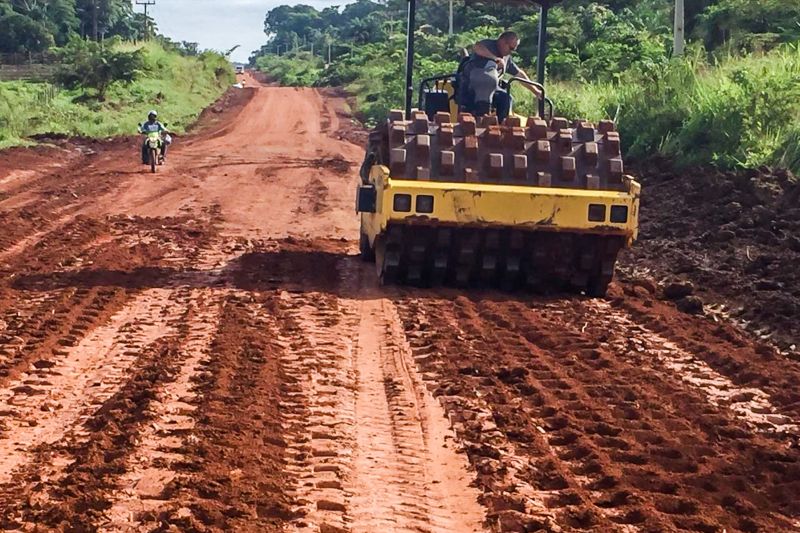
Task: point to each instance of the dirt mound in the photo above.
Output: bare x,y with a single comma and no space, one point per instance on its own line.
735,235
350,128
225,108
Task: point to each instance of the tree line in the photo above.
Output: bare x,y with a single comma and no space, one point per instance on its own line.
589,39
29,26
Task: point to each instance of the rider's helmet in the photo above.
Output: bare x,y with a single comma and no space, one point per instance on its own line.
152,115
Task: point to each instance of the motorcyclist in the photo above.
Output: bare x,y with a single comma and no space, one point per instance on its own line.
153,125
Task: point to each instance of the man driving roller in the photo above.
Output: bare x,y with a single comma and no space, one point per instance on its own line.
490,59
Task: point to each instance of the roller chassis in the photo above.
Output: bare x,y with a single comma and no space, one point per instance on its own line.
526,204
538,203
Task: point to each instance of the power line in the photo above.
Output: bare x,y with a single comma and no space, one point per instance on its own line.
146,4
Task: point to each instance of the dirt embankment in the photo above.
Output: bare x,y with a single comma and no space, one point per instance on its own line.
734,235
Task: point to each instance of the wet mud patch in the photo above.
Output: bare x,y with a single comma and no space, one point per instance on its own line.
337,164
121,251
315,198
292,264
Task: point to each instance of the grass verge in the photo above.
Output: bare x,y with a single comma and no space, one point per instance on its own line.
178,86
735,112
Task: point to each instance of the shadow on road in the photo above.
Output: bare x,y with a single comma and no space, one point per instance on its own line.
335,272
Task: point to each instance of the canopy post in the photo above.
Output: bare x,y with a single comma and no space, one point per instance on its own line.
412,14
542,48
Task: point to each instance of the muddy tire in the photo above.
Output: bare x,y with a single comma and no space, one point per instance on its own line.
153,159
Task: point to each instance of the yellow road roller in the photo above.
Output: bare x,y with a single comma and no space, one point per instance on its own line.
535,202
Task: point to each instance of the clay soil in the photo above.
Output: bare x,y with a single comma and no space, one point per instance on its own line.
203,350
735,236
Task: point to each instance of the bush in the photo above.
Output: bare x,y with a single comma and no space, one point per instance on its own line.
92,65
750,24
738,112
298,69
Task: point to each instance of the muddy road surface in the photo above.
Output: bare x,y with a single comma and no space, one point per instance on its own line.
202,350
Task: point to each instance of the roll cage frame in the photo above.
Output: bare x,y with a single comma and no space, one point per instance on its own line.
544,5
429,84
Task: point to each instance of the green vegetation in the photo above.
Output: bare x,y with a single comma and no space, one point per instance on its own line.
733,100
105,83
36,25
178,85
740,111
92,65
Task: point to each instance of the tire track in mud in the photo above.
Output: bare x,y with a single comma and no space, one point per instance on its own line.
750,404
402,439
318,421
102,490
51,249
49,410
618,447
231,475
368,446
525,484
140,491
724,348
36,327
676,434
140,496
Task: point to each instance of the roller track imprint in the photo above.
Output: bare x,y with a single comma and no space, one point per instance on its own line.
203,350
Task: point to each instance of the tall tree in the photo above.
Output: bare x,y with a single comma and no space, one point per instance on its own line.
97,17
23,34
58,16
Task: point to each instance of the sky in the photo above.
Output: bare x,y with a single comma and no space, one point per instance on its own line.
220,24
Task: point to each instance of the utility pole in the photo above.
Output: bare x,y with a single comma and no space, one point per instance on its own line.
329,52
677,48
94,20
450,29
146,4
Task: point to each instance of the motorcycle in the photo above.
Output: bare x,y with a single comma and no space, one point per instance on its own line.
153,147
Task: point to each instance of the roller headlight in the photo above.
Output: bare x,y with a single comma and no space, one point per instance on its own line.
402,203
424,204
597,213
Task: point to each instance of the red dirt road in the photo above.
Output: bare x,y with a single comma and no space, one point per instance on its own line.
202,350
